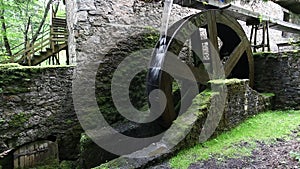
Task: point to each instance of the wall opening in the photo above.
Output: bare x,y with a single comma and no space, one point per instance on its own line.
36,153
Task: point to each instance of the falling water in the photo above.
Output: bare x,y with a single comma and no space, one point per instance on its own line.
159,53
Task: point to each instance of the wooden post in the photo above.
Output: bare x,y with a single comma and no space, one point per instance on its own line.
255,37
251,34
268,36
68,57
263,37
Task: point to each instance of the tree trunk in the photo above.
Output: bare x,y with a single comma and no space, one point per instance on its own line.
56,8
4,33
35,36
26,32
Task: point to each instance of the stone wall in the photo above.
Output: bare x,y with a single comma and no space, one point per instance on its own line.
99,26
105,32
36,104
279,74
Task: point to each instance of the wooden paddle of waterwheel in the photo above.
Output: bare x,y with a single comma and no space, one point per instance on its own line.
212,37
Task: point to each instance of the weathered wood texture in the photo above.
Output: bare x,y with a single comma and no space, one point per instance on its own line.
39,152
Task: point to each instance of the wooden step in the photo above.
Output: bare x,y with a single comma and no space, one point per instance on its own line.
49,53
59,22
59,33
59,25
62,39
59,19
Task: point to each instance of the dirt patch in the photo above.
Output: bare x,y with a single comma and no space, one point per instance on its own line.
275,155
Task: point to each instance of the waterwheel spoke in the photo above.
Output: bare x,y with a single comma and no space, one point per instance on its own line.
212,28
181,70
212,31
235,56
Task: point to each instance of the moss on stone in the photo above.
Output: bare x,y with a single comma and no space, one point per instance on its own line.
19,119
285,54
268,94
113,164
150,38
21,75
17,90
9,65
225,81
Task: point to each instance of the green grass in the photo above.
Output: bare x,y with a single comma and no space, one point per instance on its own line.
263,127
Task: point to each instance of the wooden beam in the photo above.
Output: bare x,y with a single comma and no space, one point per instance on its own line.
235,56
182,70
169,113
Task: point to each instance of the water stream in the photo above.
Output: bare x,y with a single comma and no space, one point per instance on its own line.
158,55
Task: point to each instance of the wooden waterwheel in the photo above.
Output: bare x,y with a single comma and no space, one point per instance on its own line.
209,34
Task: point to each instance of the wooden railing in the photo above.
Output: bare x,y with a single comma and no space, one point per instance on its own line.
31,49
57,34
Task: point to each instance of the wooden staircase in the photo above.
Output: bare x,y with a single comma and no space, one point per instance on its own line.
47,46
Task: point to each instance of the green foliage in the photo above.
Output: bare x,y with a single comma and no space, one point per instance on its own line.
84,140
22,19
17,14
264,127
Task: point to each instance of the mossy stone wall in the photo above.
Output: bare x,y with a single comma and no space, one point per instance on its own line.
241,103
36,104
279,74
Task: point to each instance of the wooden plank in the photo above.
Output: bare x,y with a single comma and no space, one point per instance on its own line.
17,160
235,56
62,39
60,33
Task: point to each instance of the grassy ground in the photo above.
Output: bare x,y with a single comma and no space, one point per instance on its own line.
264,127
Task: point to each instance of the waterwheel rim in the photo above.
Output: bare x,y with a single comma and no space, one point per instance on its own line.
238,63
